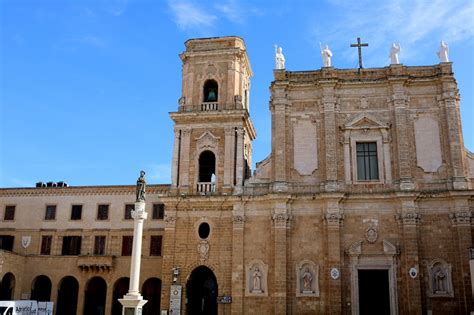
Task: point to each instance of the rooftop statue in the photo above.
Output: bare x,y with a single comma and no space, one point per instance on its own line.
141,185
394,51
326,53
442,52
279,58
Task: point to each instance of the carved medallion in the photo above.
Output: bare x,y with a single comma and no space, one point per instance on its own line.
413,272
371,234
203,250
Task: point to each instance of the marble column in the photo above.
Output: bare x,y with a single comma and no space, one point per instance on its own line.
133,299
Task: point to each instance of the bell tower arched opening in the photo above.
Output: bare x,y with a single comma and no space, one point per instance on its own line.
207,166
210,91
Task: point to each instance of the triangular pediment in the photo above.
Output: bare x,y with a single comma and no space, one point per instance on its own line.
365,121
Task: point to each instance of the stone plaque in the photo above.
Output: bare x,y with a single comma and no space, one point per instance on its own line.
305,147
428,145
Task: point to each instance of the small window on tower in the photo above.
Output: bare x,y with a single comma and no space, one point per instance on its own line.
210,91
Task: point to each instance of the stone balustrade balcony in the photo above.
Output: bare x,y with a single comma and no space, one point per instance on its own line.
95,263
205,187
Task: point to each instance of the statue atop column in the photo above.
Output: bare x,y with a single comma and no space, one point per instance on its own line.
394,51
442,52
326,53
141,185
279,58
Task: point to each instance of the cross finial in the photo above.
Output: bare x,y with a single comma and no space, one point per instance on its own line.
359,50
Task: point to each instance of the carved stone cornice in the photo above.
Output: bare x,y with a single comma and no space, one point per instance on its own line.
461,218
334,219
410,218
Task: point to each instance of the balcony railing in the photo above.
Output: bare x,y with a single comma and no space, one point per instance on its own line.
205,187
209,106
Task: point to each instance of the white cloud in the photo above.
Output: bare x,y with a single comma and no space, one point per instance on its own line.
188,15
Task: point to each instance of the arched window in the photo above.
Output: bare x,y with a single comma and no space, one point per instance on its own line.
207,166
151,290
67,296
41,289
7,287
210,91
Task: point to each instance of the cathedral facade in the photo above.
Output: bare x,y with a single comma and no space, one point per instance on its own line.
363,205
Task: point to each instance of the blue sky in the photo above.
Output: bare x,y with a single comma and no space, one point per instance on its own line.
86,86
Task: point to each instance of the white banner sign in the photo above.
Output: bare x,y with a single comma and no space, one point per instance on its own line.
18,308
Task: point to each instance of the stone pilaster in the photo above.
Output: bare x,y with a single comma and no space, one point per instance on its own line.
239,173
238,268
279,140
450,104
399,101
174,163
334,219
184,180
461,218
281,220
168,257
330,134
229,154
409,220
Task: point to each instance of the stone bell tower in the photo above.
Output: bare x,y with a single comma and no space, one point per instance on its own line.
213,131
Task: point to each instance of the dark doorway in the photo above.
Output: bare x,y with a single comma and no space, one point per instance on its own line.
120,289
7,287
374,296
201,292
151,291
94,303
41,289
207,166
67,296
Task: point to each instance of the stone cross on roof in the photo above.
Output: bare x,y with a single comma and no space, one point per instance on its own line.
359,50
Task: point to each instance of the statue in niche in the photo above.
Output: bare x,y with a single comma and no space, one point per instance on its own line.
394,51
257,281
279,58
141,185
307,278
439,280
442,52
326,53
